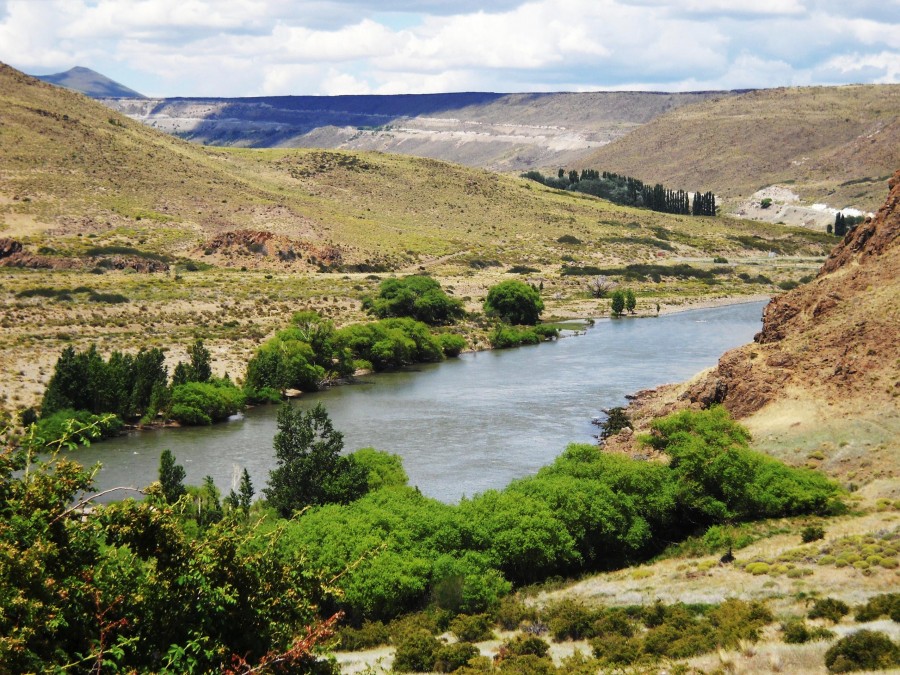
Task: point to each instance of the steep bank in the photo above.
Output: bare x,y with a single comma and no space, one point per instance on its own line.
819,385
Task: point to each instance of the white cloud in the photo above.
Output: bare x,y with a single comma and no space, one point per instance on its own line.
267,47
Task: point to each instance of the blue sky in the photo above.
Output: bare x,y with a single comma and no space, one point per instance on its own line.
273,47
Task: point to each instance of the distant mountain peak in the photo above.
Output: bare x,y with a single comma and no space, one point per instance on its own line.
90,83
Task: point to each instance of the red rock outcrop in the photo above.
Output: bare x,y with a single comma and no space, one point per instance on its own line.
835,336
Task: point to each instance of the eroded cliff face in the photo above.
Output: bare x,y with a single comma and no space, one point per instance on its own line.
820,383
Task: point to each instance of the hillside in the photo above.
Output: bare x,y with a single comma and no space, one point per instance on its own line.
226,243
504,132
90,83
818,386
834,145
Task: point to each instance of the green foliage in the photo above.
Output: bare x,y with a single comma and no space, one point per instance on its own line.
569,620
862,650
310,467
617,299
198,368
124,385
812,533
720,478
630,301
125,588
171,477
797,632
450,658
417,297
57,425
472,628
886,604
201,403
616,420
416,653
390,343
829,608
383,468
506,337
451,344
514,302
369,634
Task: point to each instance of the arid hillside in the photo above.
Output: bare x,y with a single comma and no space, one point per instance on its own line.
501,132
820,382
834,145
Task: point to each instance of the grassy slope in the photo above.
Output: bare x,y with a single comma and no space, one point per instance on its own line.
833,144
74,175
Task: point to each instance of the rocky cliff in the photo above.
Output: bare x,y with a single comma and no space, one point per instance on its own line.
821,380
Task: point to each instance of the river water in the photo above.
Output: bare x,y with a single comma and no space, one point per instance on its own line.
465,425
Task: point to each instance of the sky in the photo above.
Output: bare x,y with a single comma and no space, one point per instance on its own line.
280,47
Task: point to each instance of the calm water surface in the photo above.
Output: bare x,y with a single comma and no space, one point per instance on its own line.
465,425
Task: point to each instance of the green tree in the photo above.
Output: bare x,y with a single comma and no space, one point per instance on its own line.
630,300
417,296
198,368
171,477
310,467
245,492
618,302
514,302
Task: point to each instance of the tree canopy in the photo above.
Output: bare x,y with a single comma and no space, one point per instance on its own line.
514,302
418,297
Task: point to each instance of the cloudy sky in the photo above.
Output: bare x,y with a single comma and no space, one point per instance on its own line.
269,47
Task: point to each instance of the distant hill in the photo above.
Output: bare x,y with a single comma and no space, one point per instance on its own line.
836,145
90,83
502,132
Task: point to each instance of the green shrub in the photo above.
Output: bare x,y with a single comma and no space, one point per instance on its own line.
199,403
617,650
886,604
514,302
830,609
525,645
796,632
369,634
512,612
569,620
862,650
418,297
450,658
452,344
57,424
812,533
472,628
416,652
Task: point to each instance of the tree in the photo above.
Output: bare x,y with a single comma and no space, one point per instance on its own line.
514,302
630,300
417,296
310,467
198,369
245,492
171,477
618,303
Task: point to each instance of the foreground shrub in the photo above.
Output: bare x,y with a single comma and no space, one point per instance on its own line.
569,620
450,658
830,609
472,628
862,650
887,604
797,632
416,652
200,403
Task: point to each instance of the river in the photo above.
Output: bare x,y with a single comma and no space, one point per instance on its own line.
465,425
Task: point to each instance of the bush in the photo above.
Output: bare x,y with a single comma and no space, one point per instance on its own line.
201,403
472,628
512,612
525,645
416,652
617,650
56,425
514,302
451,344
370,634
887,604
418,297
812,533
569,620
830,609
862,650
450,658
796,632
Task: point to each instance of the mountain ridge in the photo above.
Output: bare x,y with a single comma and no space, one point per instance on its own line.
90,83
